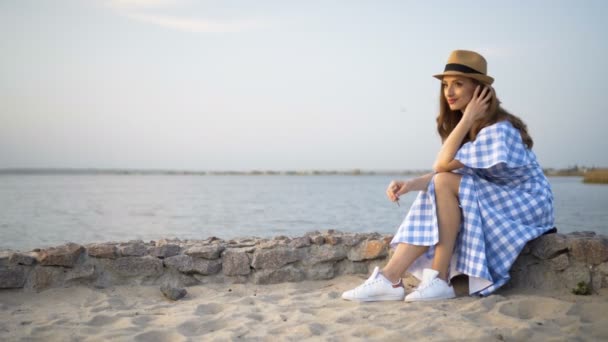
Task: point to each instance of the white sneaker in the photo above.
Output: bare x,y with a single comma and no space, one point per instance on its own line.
431,288
376,288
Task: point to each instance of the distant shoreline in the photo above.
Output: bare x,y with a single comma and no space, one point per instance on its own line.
569,172
354,172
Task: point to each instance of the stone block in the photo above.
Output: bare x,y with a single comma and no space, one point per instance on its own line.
274,258
165,250
65,255
86,272
317,239
548,246
320,271
13,277
43,277
577,272
367,250
332,239
19,258
560,262
323,253
213,251
351,267
136,266
299,242
591,251
235,262
350,240
102,250
132,248
182,263
281,275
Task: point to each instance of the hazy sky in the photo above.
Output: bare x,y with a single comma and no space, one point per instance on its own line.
284,85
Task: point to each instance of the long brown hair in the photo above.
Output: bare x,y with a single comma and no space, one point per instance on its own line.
448,119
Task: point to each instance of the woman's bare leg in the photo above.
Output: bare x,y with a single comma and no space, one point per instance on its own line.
448,215
404,256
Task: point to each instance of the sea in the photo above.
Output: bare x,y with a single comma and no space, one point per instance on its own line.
42,210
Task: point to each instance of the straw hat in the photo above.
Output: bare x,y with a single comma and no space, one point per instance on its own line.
468,64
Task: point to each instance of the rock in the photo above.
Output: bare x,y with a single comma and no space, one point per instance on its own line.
13,277
281,275
44,277
386,239
102,250
332,239
323,253
137,266
352,239
287,239
574,274
132,248
596,281
19,258
182,263
351,267
367,250
235,262
274,258
317,239
548,246
592,251
583,234
205,266
81,272
268,244
5,257
300,242
173,293
213,251
560,262
165,250
321,271
187,264
536,276
65,255
603,268
165,241
248,242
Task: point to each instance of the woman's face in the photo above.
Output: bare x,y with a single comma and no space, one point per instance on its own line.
458,91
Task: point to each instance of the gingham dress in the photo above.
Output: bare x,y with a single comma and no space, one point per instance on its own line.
505,199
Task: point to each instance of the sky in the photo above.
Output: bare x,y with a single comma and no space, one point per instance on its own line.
286,85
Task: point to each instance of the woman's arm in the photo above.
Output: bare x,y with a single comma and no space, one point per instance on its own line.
476,108
398,188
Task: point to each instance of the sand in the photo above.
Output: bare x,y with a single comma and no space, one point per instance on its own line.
309,310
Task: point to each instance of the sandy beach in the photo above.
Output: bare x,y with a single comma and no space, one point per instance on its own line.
307,310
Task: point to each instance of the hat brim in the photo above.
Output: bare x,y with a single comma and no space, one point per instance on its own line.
480,77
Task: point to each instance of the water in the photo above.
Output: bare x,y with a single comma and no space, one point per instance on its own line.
48,210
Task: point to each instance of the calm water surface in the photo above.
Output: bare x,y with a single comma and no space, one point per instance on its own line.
48,210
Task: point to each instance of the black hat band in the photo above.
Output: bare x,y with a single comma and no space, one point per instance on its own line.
461,68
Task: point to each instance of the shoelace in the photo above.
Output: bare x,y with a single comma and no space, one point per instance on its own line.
369,282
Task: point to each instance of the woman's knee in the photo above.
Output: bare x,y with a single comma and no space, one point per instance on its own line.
447,181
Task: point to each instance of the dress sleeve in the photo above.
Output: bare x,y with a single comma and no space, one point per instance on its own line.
495,144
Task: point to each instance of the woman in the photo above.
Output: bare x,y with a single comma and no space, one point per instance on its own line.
486,199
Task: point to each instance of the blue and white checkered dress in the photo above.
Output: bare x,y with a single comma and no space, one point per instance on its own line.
506,201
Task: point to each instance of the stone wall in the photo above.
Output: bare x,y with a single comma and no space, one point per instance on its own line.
550,262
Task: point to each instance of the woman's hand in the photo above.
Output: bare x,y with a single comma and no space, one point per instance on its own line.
396,189
479,104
